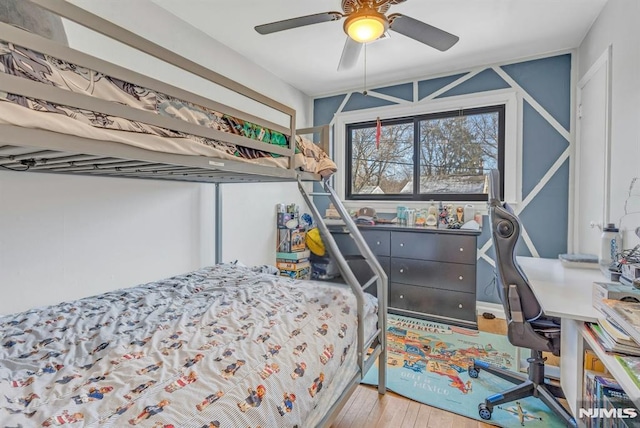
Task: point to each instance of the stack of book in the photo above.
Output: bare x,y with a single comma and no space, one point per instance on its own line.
624,314
294,265
605,403
613,338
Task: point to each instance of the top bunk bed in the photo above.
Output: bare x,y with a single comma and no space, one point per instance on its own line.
63,111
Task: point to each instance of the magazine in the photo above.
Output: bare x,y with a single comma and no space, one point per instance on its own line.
625,314
608,344
616,332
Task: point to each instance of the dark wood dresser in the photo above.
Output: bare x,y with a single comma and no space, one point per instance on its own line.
432,272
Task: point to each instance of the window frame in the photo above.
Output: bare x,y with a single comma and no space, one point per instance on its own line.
512,192
416,120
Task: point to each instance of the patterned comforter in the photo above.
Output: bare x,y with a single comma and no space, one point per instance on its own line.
225,346
43,68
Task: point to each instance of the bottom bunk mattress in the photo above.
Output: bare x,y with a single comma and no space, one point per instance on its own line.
224,346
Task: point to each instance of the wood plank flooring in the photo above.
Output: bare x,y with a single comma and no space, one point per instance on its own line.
367,409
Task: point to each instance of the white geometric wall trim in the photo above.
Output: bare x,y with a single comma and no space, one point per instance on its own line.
451,85
543,112
386,97
521,95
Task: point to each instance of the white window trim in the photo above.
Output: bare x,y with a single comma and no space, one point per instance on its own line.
512,146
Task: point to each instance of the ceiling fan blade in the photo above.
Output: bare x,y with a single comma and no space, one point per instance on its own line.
350,54
301,21
424,33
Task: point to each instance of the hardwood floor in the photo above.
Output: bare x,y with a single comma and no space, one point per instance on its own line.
367,409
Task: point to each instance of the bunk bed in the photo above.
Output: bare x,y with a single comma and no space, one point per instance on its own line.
226,345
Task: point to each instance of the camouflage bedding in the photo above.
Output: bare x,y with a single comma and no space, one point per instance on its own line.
43,68
224,346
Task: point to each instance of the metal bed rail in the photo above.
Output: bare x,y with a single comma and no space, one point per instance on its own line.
93,22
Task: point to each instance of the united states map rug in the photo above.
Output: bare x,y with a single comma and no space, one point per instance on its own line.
427,362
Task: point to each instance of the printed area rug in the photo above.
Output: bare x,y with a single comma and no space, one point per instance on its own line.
428,362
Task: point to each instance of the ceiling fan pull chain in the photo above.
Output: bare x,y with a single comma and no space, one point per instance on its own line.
364,92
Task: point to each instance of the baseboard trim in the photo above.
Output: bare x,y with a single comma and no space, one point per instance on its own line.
493,308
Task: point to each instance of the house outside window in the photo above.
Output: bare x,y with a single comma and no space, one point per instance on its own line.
447,153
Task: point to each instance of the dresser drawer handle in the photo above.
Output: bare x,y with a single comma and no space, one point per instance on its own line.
460,306
377,242
460,277
402,296
461,249
402,270
402,244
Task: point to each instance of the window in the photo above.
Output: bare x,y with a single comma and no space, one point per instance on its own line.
447,154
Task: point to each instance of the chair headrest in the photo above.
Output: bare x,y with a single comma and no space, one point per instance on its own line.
494,188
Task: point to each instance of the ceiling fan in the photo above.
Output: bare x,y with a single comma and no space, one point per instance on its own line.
365,22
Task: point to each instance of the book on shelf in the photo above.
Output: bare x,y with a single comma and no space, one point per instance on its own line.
616,332
608,344
631,365
625,314
611,398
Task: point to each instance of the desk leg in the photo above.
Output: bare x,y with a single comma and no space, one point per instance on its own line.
571,362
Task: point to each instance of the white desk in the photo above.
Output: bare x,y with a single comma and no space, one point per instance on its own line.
565,293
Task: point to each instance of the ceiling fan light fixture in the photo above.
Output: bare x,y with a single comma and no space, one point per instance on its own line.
366,26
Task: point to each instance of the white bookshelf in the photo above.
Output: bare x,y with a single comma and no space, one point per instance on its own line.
613,366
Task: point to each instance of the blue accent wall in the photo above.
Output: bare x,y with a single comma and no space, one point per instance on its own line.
486,80
428,87
548,82
404,91
325,108
542,145
357,101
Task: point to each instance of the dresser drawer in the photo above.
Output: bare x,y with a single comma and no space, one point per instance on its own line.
363,272
433,301
447,276
378,241
443,247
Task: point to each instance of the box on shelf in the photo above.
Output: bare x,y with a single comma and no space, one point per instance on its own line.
282,265
293,257
284,218
290,240
304,273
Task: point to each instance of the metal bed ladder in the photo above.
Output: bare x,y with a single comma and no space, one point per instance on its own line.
379,278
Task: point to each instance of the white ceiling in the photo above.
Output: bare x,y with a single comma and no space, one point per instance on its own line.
490,31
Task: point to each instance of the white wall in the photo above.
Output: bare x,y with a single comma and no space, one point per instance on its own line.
249,213
617,26
65,237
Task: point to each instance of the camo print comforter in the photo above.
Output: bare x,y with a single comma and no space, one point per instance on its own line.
46,69
225,346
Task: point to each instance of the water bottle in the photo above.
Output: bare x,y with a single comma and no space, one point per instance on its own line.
610,247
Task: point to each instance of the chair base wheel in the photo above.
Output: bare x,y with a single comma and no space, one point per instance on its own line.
473,372
484,411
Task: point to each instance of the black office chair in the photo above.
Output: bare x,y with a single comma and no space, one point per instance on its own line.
527,326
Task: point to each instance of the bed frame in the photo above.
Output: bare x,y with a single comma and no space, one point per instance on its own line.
35,150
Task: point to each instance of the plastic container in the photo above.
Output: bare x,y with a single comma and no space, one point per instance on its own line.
610,247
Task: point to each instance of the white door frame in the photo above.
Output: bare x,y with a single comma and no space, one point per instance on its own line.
604,61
